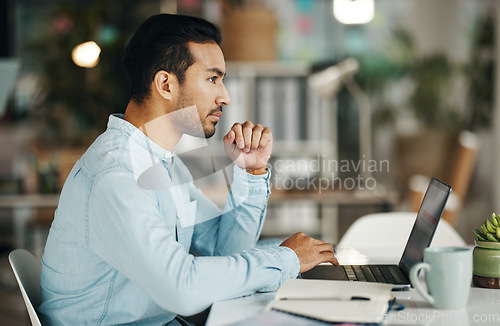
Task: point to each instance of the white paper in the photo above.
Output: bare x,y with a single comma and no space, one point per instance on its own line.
331,300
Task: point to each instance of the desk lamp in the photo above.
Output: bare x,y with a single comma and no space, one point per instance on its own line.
328,82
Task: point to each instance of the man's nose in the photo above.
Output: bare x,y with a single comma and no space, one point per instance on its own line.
224,98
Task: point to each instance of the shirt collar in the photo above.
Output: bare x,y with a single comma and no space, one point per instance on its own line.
116,121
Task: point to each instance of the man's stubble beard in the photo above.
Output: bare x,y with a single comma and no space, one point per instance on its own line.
189,120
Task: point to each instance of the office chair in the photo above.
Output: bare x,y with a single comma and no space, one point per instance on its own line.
390,231
27,271
458,177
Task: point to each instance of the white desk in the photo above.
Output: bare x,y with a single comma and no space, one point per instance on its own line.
483,307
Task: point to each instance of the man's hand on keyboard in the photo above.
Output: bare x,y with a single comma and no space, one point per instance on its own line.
310,251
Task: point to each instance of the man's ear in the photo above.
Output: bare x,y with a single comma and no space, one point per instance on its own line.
164,84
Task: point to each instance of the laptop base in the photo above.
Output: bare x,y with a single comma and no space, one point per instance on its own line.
355,273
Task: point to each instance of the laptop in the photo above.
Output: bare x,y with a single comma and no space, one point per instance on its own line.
421,235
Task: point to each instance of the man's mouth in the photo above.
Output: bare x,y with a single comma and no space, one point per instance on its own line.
215,115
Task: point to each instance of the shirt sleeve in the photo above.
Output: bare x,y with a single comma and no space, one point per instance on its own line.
126,229
239,227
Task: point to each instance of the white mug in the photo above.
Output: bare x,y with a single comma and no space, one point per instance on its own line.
448,275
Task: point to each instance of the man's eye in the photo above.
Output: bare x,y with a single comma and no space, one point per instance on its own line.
213,79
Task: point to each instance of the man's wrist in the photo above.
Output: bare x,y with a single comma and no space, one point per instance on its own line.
259,171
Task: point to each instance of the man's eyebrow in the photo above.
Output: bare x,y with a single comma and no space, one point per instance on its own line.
217,71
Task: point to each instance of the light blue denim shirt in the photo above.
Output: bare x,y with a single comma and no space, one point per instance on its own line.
134,241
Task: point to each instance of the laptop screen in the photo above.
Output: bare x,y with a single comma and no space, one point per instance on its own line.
425,225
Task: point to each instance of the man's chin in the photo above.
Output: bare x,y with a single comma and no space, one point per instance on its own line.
209,133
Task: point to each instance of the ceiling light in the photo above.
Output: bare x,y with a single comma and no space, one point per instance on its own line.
353,11
86,54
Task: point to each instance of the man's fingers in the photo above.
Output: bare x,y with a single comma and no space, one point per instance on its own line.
326,247
310,251
326,254
327,257
256,136
229,138
266,137
317,241
247,135
238,135
334,261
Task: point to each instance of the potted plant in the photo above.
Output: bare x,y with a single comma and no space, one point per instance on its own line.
421,98
414,94
486,254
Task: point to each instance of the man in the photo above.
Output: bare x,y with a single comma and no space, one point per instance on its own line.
133,240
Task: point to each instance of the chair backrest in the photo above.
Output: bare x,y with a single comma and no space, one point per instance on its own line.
458,177
27,271
393,229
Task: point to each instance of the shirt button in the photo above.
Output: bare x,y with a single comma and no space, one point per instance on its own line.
167,155
178,216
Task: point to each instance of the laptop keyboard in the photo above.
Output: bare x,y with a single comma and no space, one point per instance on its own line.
374,273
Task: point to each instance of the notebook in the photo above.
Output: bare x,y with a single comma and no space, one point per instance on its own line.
334,301
421,235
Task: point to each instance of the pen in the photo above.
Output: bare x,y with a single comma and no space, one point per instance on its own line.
353,298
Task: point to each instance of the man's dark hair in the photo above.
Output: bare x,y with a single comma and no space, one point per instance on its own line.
161,43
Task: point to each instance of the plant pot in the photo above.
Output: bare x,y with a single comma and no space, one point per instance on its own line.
249,34
486,264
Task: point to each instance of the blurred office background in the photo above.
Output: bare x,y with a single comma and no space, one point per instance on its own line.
410,93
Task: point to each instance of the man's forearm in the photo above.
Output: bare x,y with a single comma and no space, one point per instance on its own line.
242,222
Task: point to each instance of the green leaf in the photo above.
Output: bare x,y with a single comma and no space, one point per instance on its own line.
479,235
494,219
491,238
484,230
491,228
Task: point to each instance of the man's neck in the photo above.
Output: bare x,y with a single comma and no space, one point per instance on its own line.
155,125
